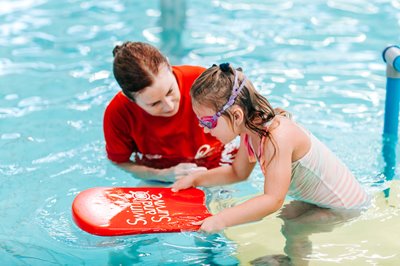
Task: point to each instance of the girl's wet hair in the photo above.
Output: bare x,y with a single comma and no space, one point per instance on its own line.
135,66
214,87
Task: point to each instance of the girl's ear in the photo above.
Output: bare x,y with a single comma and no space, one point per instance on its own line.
238,113
238,117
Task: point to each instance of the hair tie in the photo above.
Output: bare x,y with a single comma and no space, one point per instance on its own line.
116,50
225,67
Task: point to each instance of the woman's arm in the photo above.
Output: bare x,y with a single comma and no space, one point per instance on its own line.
163,175
238,171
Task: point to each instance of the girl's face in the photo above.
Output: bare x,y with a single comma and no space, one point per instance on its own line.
223,131
162,97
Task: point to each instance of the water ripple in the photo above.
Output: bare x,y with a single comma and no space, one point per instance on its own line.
10,7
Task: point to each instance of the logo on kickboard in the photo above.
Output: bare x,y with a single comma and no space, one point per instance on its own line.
147,207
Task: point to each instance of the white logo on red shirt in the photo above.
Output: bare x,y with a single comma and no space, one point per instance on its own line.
203,151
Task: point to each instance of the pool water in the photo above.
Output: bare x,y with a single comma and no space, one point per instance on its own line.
321,60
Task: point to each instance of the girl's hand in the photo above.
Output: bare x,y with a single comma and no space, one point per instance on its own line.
182,182
211,225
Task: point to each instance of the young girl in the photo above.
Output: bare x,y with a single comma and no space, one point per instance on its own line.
293,161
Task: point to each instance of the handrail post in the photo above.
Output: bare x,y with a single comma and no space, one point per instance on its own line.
391,55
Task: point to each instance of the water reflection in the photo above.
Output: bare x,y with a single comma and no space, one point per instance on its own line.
300,221
389,144
130,255
187,248
172,22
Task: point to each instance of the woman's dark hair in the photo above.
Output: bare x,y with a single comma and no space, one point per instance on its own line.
135,66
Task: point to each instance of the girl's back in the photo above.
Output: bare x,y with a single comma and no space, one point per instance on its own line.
318,176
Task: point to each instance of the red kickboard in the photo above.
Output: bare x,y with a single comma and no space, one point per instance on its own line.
113,211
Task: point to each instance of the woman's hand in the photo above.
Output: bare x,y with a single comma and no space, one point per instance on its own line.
212,224
188,180
183,169
161,175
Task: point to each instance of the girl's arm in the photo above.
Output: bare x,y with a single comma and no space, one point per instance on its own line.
276,186
238,171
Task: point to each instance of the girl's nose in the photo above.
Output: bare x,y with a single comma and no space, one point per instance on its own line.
206,130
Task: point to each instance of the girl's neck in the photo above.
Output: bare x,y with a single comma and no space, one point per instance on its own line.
253,135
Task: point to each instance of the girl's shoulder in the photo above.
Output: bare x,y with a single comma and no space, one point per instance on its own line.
290,138
281,125
285,130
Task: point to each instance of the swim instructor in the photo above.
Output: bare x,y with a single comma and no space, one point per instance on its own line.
149,126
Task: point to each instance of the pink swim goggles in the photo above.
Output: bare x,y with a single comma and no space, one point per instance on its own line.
210,122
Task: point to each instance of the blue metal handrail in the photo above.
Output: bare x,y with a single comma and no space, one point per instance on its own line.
391,55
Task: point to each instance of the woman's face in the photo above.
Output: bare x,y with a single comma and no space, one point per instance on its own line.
162,97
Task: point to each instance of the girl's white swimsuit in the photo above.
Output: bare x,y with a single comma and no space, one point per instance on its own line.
320,178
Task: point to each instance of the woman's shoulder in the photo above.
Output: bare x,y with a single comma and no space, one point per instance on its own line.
185,76
188,68
120,108
188,71
117,102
